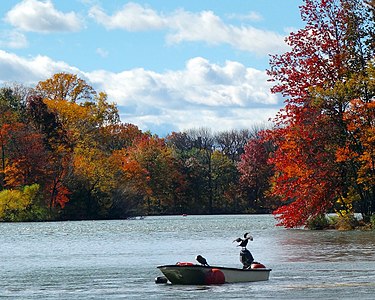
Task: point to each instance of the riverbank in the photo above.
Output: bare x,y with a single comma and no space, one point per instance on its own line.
341,222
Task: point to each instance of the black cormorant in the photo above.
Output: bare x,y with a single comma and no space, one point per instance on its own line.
243,242
201,260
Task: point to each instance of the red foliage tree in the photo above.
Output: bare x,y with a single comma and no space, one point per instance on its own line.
27,160
314,77
255,171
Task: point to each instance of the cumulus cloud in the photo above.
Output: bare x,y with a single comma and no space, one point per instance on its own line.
212,85
221,97
133,17
29,70
12,39
202,94
200,83
41,16
184,26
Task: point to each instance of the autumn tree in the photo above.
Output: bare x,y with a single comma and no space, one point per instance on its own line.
23,153
66,86
12,110
46,122
256,173
59,151
118,136
357,154
205,142
21,205
28,160
150,167
74,117
80,110
91,184
26,156
314,77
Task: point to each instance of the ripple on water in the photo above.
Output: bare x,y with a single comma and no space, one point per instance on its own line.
118,259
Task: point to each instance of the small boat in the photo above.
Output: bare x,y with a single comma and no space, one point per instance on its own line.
189,273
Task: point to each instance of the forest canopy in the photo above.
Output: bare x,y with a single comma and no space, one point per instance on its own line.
65,141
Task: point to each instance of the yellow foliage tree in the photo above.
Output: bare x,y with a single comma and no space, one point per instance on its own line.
16,202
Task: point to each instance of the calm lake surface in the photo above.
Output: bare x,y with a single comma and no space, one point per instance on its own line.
118,259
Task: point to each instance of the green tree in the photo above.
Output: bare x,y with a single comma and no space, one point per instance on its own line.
224,177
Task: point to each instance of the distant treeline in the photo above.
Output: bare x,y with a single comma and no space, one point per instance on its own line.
66,155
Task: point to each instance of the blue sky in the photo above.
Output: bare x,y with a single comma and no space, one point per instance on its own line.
170,65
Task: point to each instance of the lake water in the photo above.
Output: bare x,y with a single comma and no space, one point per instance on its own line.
118,259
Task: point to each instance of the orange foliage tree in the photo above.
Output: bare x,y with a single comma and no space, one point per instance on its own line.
151,169
316,79
77,115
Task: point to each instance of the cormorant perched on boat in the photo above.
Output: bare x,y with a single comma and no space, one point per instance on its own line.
243,242
246,257
201,260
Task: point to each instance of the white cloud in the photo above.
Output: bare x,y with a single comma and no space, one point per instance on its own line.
12,39
184,26
200,83
221,97
29,71
133,17
209,28
212,85
202,94
41,16
204,26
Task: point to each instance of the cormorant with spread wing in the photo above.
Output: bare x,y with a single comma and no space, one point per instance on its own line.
246,257
243,242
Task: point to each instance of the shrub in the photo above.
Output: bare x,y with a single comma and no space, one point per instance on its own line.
346,222
22,205
318,223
